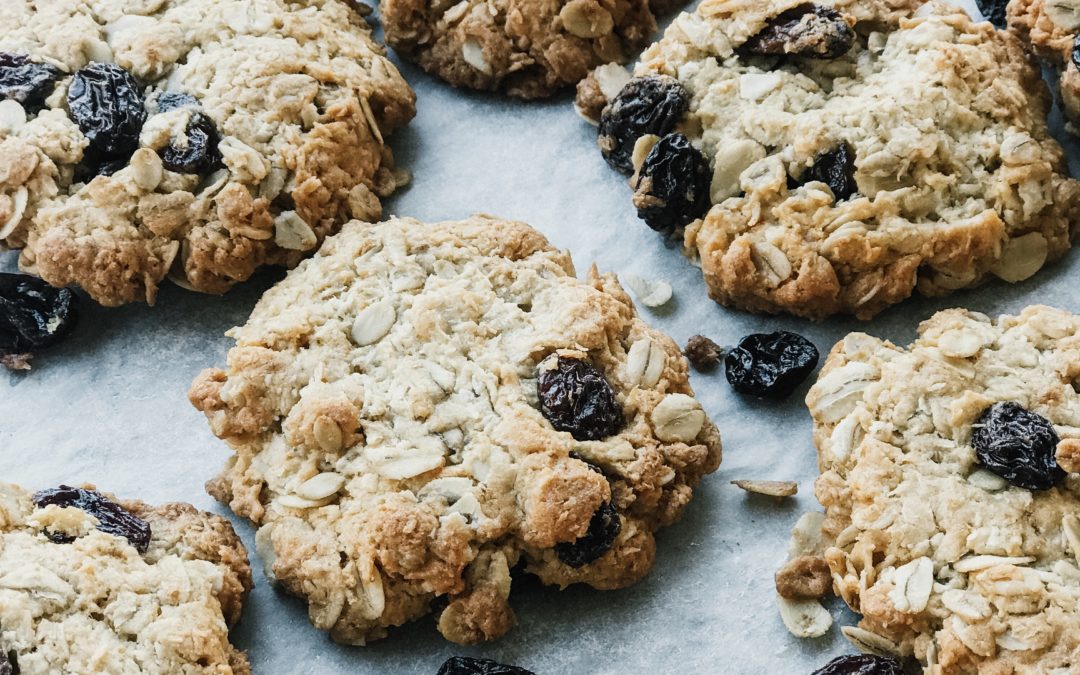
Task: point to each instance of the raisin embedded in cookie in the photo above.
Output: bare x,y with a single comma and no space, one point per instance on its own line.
527,48
421,407
951,493
1052,28
196,139
836,157
91,584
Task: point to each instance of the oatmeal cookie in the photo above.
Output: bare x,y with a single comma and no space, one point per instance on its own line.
819,159
89,584
1052,28
421,407
527,48
950,523
197,139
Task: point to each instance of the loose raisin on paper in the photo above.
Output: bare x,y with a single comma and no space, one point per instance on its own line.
806,30
33,315
645,105
105,103
466,665
26,81
672,188
770,365
575,397
112,518
603,529
861,664
1018,445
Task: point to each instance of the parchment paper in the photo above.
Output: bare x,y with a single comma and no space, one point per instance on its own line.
109,407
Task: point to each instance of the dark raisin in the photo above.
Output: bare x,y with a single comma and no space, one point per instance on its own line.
672,188
171,100
575,397
1076,52
1018,445
807,30
8,664
26,81
95,164
33,315
994,11
702,352
466,665
835,168
770,365
112,518
603,528
646,105
105,102
861,664
198,152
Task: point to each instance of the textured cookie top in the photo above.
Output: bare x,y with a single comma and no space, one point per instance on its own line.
383,406
292,101
527,48
1051,28
942,556
97,605
842,156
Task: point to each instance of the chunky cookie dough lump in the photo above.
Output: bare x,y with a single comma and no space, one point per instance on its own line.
421,407
195,139
836,157
947,526
1052,28
527,48
89,584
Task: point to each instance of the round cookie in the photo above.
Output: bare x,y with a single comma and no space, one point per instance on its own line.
421,407
197,139
947,524
834,159
526,48
77,595
1052,29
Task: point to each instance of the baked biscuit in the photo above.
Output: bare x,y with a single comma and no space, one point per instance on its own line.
949,480
193,138
420,408
819,159
527,48
88,584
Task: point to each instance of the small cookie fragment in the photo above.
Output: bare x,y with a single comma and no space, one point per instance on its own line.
422,408
772,488
702,352
128,587
804,577
651,292
601,86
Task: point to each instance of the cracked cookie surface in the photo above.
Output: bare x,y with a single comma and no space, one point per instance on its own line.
382,403
527,48
841,182
97,605
292,101
946,560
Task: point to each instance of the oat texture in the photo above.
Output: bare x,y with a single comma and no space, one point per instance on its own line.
96,605
957,178
301,98
946,561
1051,27
527,48
383,409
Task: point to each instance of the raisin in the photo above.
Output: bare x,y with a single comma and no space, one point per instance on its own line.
7,663
770,365
105,102
861,664
26,81
198,152
807,30
603,528
646,105
994,11
672,188
171,100
1076,52
575,397
1018,445
466,665
33,315
112,518
702,352
835,168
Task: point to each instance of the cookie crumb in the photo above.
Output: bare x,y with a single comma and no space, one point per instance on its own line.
702,352
773,488
1068,454
807,576
651,293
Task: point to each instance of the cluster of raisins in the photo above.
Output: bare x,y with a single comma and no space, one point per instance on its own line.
1018,445
861,664
770,365
466,665
112,518
575,397
33,316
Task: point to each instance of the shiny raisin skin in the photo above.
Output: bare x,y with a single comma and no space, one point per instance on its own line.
575,397
112,518
25,81
603,529
1018,445
807,30
200,153
646,105
770,365
466,665
33,314
835,168
105,102
672,188
994,11
1076,52
861,664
